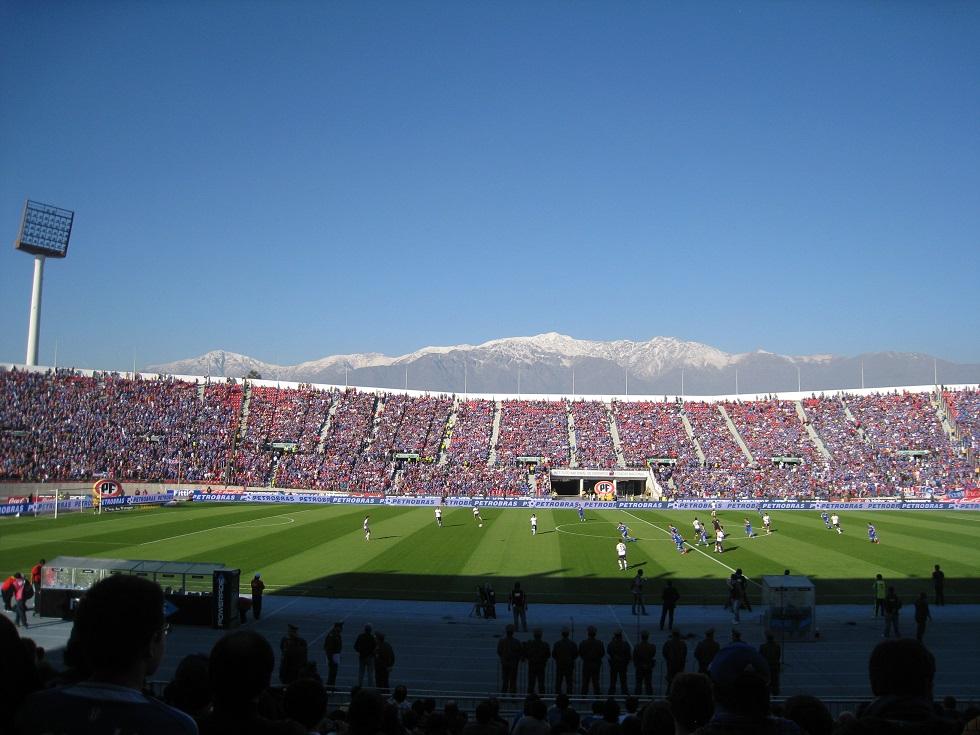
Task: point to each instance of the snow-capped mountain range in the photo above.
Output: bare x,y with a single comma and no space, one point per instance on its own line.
548,363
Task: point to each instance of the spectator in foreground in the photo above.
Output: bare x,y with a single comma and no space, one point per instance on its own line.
690,702
240,670
127,612
305,702
740,692
901,673
810,714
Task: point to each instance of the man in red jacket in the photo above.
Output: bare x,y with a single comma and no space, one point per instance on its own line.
36,581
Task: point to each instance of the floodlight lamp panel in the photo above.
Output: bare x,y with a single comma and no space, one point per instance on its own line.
45,230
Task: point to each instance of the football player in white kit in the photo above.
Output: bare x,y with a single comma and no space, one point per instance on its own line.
439,516
534,525
621,556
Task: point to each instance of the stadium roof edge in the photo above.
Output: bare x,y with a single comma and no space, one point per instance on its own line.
657,397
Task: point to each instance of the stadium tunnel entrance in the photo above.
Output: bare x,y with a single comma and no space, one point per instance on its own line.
598,483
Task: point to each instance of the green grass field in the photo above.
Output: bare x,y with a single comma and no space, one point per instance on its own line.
321,550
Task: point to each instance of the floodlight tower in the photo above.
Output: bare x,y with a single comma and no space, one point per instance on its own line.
44,233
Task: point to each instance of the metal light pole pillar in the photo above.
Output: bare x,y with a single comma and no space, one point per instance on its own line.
34,326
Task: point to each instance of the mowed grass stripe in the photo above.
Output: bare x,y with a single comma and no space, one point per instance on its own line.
323,552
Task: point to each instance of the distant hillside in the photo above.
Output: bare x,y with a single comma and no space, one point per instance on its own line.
545,363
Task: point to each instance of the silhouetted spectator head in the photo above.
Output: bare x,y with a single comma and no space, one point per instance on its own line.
18,675
591,631
305,701
538,633
645,635
240,668
484,713
119,626
740,681
690,700
190,689
400,694
657,719
902,668
632,704
570,721
610,710
364,715
810,714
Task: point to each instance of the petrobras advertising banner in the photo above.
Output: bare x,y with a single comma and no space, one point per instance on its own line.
130,500
301,498
13,509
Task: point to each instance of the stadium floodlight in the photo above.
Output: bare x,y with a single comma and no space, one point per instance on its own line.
44,233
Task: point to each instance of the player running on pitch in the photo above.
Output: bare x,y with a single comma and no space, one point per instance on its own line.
749,533
767,524
835,523
826,519
581,513
621,556
367,528
719,537
703,537
624,531
873,534
439,516
476,515
534,525
679,541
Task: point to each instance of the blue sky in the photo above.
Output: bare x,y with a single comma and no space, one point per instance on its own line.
291,180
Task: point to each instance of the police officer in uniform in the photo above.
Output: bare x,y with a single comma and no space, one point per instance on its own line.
537,652
644,659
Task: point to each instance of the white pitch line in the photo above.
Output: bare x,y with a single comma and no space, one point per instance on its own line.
620,624
226,525
708,556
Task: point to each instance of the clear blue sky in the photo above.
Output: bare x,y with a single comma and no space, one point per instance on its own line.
296,179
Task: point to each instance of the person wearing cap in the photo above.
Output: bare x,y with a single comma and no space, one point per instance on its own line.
740,690
294,655
332,645
537,652
644,659
509,650
591,651
675,656
564,652
620,652
258,587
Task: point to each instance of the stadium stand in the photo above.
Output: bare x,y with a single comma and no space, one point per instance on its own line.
68,426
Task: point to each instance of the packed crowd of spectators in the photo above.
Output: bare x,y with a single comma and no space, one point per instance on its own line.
64,426
533,429
898,425
964,411
652,429
593,440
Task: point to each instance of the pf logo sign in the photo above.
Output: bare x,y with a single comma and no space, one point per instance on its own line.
604,490
107,489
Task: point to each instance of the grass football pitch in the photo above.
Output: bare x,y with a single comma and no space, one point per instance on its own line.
321,550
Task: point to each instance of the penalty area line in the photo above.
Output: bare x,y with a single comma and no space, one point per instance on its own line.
229,525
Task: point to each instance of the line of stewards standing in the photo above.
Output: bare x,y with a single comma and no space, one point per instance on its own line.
537,652
620,654
644,659
591,651
675,656
564,652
